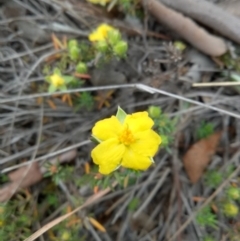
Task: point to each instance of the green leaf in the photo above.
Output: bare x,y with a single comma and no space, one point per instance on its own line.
51,88
134,203
57,71
48,79
95,139
118,178
63,88
152,160
121,114
68,79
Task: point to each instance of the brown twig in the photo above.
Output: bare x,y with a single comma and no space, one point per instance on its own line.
210,15
186,28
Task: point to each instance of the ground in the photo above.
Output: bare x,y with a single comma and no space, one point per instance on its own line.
188,82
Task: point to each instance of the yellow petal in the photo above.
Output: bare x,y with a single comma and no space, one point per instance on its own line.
135,161
100,33
139,121
108,155
147,143
107,128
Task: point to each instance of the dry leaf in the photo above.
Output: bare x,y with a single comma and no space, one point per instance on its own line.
27,176
199,155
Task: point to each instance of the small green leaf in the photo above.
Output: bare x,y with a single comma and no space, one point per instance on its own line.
121,114
51,88
118,178
95,139
63,88
134,203
57,71
152,160
68,78
106,182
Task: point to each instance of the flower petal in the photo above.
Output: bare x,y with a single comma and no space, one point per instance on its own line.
107,128
135,161
139,121
108,155
147,143
100,33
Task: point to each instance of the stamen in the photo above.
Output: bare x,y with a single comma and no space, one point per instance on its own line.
126,137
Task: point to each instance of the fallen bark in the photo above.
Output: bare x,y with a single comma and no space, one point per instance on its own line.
186,28
210,15
29,175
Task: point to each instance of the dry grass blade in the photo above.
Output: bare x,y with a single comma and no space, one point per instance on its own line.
53,223
220,188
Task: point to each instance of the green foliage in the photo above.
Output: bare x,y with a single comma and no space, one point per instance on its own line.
113,46
16,219
84,101
163,125
120,49
205,130
81,68
206,217
230,62
121,114
213,178
233,193
133,205
57,172
129,7
209,238
3,178
230,209
52,199
124,178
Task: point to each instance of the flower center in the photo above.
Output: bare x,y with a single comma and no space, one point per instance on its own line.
126,137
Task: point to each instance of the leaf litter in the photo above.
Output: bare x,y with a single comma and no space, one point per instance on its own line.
160,200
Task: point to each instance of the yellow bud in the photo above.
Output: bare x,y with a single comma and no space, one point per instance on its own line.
233,193
230,209
65,236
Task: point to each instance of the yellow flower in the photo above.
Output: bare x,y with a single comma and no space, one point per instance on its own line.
100,33
57,81
101,2
130,144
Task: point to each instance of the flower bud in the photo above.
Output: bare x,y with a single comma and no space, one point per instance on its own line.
102,46
165,140
230,209
66,236
114,36
120,48
233,193
179,46
72,43
154,111
81,68
74,53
